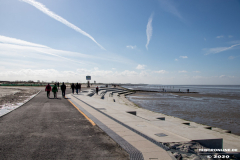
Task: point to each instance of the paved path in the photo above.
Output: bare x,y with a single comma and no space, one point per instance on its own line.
53,129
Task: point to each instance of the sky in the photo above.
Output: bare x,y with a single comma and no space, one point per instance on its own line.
167,42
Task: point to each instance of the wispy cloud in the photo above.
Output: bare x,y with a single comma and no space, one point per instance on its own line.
196,71
149,30
169,6
230,36
161,71
224,76
141,66
45,10
183,71
184,57
220,36
176,59
131,47
8,40
218,49
233,57
16,48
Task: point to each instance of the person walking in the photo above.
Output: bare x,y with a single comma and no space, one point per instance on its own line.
72,86
55,90
80,86
58,85
77,87
48,89
97,90
63,88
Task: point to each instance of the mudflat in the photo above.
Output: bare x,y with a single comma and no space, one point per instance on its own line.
208,95
14,95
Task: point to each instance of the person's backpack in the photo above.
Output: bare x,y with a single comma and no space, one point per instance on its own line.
48,87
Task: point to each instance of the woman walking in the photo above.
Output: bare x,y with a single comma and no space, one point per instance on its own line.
48,89
55,90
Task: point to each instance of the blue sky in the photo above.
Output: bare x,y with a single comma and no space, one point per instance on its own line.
124,41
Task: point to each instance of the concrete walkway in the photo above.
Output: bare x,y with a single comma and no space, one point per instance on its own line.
146,130
149,149
53,129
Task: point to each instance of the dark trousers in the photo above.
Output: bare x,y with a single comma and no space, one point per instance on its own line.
63,93
48,94
73,91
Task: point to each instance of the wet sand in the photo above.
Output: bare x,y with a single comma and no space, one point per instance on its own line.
208,95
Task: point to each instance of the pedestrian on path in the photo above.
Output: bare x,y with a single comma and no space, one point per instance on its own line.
77,87
97,90
48,89
80,86
63,88
55,90
58,85
72,86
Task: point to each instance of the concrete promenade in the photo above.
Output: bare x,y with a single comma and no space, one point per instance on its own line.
53,129
146,130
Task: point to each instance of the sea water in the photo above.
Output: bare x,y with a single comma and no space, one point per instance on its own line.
214,105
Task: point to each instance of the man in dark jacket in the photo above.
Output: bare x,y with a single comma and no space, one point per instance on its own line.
73,87
97,90
77,87
63,88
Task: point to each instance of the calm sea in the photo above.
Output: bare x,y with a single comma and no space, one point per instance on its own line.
216,106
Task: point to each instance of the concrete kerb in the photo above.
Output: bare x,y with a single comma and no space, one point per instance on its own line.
20,105
134,153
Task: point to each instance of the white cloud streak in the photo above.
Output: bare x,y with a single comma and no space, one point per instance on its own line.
16,48
45,10
218,49
149,30
8,40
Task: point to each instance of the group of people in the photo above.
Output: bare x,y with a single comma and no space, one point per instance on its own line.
77,87
54,89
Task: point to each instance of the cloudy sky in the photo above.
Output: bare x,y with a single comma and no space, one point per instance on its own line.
124,41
